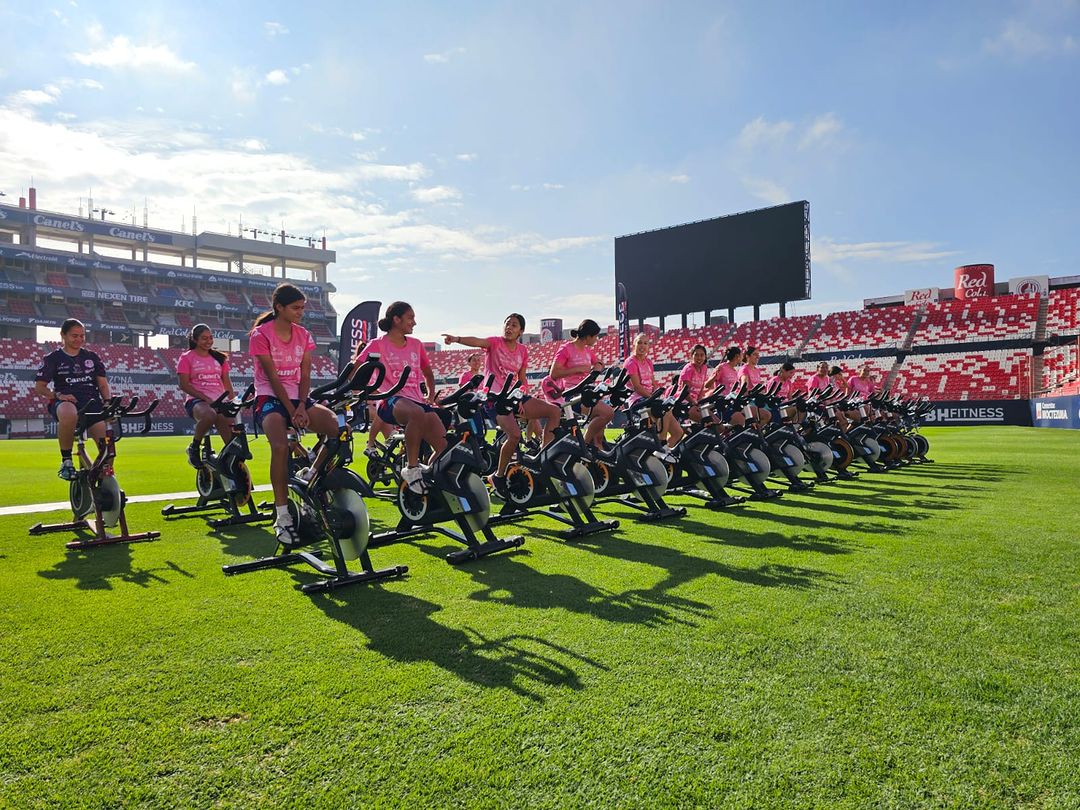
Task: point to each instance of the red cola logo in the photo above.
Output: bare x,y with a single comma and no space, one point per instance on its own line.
973,282
921,295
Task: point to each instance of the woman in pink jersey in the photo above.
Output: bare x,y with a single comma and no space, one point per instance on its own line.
572,363
861,385
282,350
475,361
505,354
410,408
750,375
726,378
695,374
643,383
204,376
819,380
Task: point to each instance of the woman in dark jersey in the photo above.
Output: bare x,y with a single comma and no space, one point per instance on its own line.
77,377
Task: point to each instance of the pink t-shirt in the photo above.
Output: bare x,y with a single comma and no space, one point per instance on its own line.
645,373
568,356
466,375
859,386
726,376
751,373
816,383
287,357
787,388
695,377
205,373
395,358
500,360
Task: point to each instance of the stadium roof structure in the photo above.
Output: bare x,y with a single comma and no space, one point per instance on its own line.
34,223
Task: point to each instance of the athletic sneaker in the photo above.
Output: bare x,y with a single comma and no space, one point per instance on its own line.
193,457
306,475
67,470
414,480
286,534
666,456
372,452
498,483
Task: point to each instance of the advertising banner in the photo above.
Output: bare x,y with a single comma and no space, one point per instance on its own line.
550,329
357,328
980,412
1030,285
923,296
973,281
1059,412
622,317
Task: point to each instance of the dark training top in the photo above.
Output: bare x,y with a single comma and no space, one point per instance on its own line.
72,375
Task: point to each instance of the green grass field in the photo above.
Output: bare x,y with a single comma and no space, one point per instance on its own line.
905,640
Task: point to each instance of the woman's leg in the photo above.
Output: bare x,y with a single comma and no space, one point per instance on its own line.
536,409
599,418
274,426
512,431
672,429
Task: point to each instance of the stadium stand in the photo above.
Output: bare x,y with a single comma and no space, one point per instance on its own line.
1061,366
994,374
1063,312
1005,317
775,336
862,329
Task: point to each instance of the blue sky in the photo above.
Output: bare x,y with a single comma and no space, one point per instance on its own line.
476,159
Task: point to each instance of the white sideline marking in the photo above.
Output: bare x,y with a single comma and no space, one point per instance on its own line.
57,506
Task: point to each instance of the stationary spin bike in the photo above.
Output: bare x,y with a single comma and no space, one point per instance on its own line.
329,506
223,480
95,488
556,475
455,491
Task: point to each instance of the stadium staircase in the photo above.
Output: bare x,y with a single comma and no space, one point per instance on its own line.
809,336
1040,323
920,316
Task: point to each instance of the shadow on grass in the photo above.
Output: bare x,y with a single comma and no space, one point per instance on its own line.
401,627
96,569
511,582
245,540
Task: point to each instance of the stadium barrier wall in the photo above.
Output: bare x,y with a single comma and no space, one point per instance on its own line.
166,426
1056,412
980,412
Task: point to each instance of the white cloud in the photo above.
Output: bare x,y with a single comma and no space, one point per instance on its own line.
466,157
34,98
436,194
443,57
66,116
762,132
121,53
767,190
91,84
1019,39
832,254
178,167
544,186
679,178
387,171
277,76
274,29
821,132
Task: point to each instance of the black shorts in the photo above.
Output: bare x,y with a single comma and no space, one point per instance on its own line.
386,410
79,403
189,406
268,405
